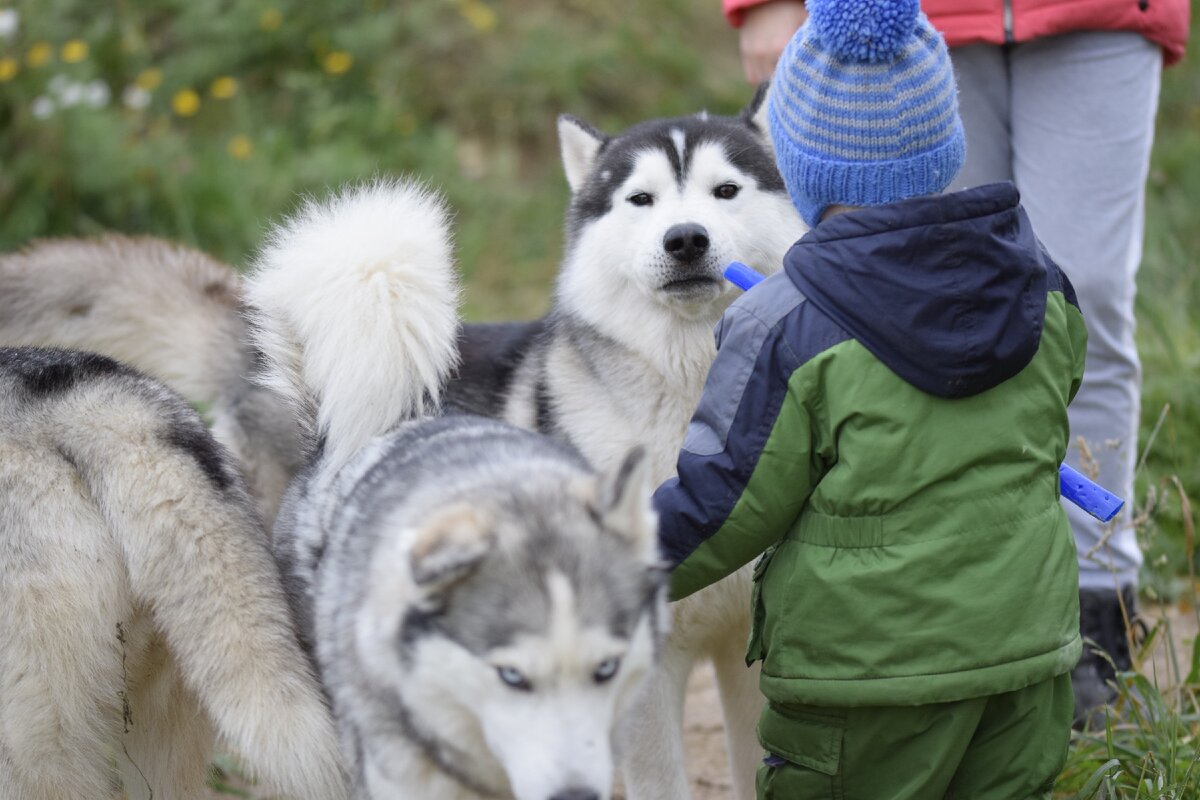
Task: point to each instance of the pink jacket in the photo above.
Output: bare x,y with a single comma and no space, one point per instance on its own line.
1164,22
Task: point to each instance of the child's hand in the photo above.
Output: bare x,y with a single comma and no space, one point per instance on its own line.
766,30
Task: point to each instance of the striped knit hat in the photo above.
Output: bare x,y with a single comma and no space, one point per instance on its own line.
863,108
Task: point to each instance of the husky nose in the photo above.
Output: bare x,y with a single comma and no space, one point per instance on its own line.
576,793
686,242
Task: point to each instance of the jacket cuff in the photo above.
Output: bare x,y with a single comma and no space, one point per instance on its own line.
735,10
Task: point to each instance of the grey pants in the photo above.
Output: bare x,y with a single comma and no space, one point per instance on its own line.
1070,120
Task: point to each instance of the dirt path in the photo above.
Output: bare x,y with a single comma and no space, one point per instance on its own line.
704,738
1168,664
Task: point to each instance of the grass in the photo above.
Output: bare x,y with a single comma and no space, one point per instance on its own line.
1149,745
202,120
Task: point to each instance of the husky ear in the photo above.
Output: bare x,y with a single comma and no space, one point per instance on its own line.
624,504
579,144
449,546
755,114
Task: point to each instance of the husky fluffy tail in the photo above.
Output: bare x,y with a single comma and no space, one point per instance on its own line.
354,305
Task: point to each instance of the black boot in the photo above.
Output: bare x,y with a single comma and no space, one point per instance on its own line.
1101,621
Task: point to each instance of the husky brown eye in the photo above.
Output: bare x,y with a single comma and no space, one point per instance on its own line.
726,191
514,678
641,199
606,670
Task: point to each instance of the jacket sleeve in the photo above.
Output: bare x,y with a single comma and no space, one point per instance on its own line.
735,10
746,468
1076,327
1079,337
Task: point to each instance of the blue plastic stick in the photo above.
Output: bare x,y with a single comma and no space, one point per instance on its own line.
1088,495
1076,487
741,276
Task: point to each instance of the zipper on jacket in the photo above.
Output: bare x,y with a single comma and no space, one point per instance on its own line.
1008,22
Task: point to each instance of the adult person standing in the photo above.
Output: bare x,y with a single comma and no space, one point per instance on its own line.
1059,96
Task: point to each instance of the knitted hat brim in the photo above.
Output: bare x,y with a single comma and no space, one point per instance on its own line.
814,184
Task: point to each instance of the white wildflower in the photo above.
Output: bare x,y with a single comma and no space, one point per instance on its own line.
42,106
71,95
135,97
9,22
97,94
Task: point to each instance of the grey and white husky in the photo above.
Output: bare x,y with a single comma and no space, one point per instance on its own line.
656,213
482,606
143,615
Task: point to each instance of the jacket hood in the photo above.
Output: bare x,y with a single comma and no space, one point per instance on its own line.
948,291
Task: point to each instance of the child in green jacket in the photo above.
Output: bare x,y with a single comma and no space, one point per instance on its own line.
884,423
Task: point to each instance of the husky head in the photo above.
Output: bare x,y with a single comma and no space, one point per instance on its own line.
659,211
529,623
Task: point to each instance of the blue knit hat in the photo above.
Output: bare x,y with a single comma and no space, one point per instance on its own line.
863,108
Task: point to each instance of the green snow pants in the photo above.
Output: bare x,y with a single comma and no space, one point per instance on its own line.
1001,747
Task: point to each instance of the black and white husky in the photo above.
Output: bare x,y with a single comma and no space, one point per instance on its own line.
656,213
481,604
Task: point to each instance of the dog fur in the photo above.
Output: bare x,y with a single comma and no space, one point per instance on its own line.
482,607
143,613
621,360
616,363
167,310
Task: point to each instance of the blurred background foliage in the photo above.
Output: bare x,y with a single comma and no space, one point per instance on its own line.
203,120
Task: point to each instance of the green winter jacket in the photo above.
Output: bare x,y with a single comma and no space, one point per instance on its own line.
885,419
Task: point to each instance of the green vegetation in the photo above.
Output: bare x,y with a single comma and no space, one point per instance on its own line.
203,120
1169,330
239,106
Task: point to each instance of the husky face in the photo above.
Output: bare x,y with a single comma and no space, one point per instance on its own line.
533,623
659,211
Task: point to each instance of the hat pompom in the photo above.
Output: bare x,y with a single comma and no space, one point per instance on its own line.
863,30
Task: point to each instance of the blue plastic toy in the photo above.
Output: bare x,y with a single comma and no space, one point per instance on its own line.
1088,495
742,276
1076,487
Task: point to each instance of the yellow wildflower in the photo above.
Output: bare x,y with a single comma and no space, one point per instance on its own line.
149,79
223,87
270,19
8,69
74,51
337,62
39,55
185,102
479,14
240,147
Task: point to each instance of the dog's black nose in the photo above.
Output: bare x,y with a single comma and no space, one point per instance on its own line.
686,242
576,793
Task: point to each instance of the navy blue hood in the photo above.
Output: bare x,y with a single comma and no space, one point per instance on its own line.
948,291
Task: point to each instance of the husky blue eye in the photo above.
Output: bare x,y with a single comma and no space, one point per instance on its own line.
606,670
514,678
726,191
641,199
